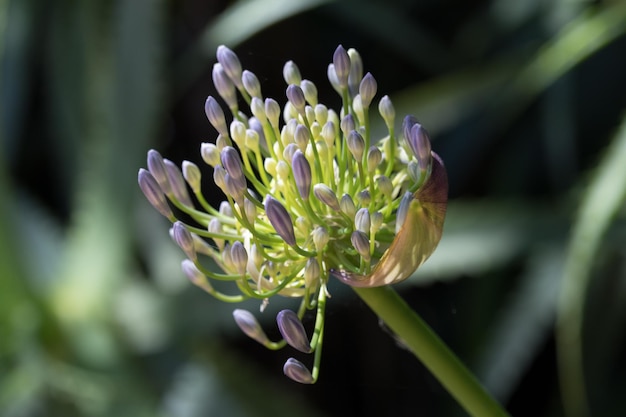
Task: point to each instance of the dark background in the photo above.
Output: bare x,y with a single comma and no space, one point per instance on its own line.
523,101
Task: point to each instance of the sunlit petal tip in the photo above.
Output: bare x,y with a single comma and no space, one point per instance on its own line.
293,331
296,370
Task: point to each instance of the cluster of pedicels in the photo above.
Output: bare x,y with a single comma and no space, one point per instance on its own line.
309,195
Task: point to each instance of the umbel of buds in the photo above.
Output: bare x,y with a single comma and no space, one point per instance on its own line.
309,194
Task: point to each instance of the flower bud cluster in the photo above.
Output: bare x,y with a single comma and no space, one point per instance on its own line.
308,191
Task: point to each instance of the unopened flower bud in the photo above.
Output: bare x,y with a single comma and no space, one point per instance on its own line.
192,175
420,145
291,73
302,174
272,112
225,209
177,183
224,86
356,71
347,124
302,137
361,243
296,370
362,220
183,238
215,114
210,154
292,330
364,198
387,111
328,133
153,193
237,132
251,83
249,210
219,177
326,195
257,107
158,171
312,272
376,219
231,64
374,156
367,89
320,238
341,62
356,145
193,273
239,257
296,97
280,220
215,226
310,92
321,114
332,77
232,162
347,206
384,185
250,326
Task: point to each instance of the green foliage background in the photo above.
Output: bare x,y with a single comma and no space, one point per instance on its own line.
524,101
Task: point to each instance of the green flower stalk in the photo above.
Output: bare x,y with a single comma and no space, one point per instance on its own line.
309,195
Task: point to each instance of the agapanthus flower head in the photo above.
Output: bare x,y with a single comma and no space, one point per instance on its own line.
309,194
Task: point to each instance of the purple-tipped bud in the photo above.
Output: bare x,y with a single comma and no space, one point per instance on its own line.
153,193
292,330
296,97
364,198
420,145
225,209
374,156
183,238
258,128
296,370
177,183
362,220
347,206
356,71
310,92
158,171
302,137
224,86
291,73
280,220
347,124
192,175
326,195
210,154
272,112
251,83
231,64
302,174
215,114
193,273
356,145
341,62
387,111
367,89
232,162
250,326
361,243
239,257
235,188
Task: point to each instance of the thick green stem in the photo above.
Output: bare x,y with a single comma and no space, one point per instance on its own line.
431,350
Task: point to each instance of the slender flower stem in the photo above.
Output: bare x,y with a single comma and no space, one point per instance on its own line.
431,350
